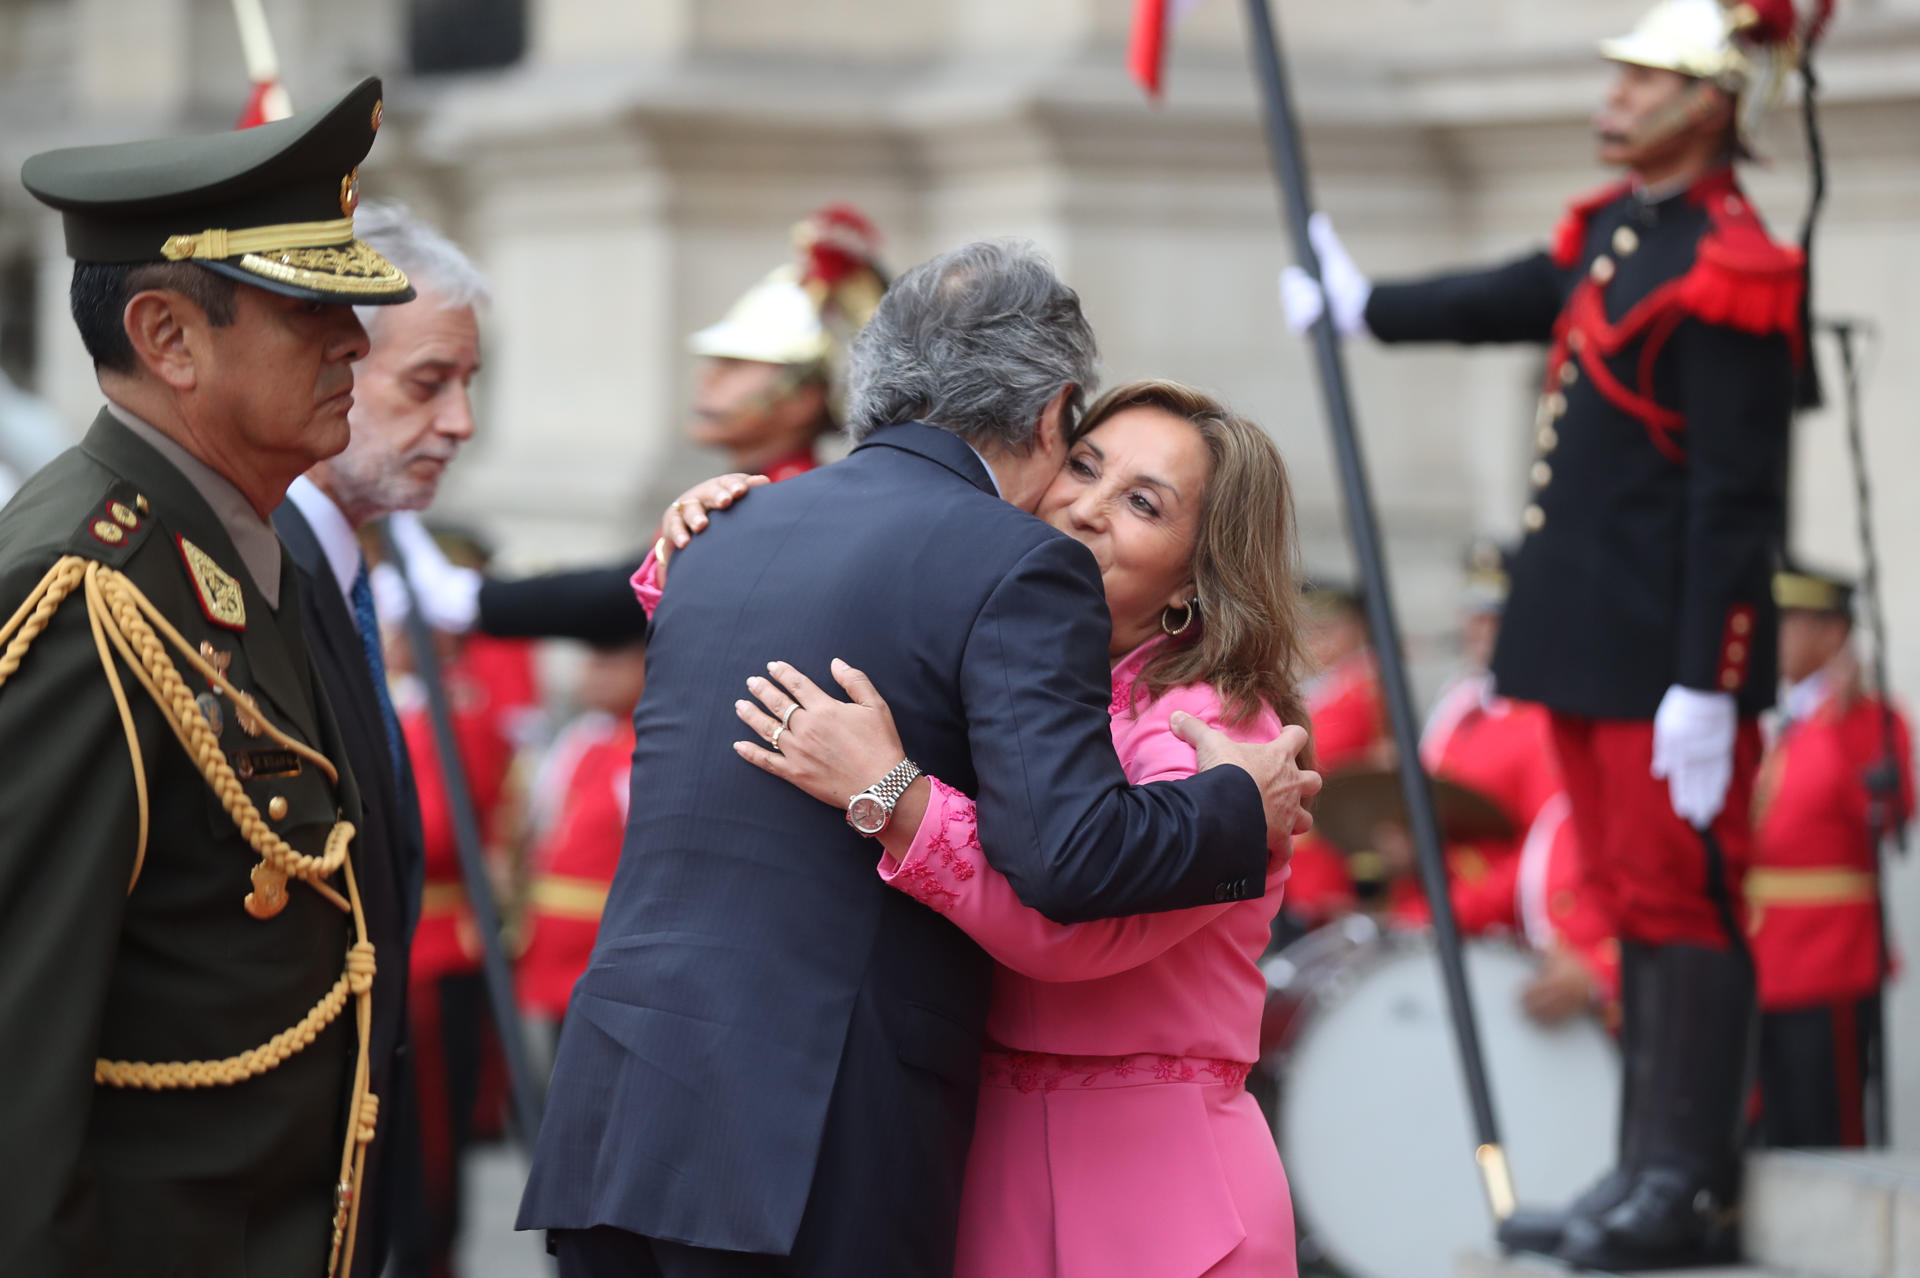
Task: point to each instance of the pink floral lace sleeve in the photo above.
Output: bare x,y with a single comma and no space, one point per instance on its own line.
646,585
945,870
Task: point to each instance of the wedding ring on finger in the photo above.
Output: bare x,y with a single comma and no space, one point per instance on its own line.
778,730
786,716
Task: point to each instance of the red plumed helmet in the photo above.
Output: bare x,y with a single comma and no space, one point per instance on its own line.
1781,21
834,243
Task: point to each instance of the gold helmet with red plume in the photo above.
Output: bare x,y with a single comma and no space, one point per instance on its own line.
801,314
1745,49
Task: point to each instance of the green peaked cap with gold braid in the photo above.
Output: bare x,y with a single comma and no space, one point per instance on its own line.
270,206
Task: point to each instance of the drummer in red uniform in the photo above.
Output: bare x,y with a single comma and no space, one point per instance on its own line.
1529,884
1837,778
581,801
1491,744
1349,720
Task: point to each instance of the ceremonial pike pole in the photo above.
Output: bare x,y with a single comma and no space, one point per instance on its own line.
1283,137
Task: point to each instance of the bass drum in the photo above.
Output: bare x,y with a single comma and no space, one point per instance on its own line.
1365,1089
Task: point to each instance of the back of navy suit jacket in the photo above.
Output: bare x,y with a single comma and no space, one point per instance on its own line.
747,939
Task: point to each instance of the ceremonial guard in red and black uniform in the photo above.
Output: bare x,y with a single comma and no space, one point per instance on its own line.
1837,778
1641,612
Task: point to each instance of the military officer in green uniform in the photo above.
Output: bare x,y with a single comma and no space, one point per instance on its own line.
184,970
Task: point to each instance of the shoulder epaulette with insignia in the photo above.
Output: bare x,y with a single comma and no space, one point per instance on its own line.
113,528
1571,235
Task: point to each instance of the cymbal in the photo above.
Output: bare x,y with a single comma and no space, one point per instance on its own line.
1356,800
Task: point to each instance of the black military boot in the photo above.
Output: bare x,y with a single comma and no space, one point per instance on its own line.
1540,1229
1680,1208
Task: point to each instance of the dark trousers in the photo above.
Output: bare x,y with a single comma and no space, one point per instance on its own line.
605,1252
1813,1073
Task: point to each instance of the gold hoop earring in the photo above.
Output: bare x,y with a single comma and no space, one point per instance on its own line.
1184,621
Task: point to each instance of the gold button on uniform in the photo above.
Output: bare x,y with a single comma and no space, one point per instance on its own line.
1533,519
140,503
108,531
1548,439
1741,623
1576,340
1625,241
1541,474
1730,680
1602,269
1736,651
1569,374
1558,404
277,807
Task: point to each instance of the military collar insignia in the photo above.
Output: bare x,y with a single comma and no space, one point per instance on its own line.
219,592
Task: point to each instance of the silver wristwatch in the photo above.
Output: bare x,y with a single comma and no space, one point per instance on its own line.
871,809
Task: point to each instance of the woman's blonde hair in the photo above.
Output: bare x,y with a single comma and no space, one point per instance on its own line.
1245,634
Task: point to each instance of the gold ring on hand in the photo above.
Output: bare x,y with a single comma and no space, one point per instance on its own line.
774,740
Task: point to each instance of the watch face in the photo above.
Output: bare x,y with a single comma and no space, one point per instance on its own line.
867,814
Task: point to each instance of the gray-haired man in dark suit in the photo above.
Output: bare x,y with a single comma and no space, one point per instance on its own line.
769,1066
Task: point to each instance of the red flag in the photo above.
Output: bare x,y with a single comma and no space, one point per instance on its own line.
1147,47
268,101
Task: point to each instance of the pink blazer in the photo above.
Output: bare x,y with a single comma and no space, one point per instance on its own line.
1184,983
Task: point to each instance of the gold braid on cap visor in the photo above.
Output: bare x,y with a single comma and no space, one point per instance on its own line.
322,256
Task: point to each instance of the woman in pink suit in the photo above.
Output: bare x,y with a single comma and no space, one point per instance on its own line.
1114,1133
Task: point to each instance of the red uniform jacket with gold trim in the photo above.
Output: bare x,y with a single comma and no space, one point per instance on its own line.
575,861
1658,484
1813,898
447,942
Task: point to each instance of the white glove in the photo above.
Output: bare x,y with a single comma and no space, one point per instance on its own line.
449,595
1693,734
1303,299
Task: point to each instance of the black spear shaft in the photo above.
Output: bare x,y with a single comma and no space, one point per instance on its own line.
525,1089
1883,779
1283,136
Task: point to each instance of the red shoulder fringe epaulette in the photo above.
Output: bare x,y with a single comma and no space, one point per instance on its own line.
1740,278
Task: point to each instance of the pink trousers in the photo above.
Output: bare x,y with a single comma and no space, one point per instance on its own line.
1148,1166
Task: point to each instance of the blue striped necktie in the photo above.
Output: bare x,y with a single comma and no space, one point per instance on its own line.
369,627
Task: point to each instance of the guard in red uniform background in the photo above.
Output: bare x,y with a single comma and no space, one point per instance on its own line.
1641,613
1349,721
580,806
1491,744
446,993
1826,799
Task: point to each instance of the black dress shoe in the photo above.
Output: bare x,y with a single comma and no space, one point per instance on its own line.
1540,1229
1668,1220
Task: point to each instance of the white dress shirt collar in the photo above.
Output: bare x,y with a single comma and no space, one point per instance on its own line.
331,530
991,477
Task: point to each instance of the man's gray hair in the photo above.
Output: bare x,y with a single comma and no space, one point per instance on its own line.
434,263
976,341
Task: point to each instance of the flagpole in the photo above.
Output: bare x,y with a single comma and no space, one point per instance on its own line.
1283,137
263,66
